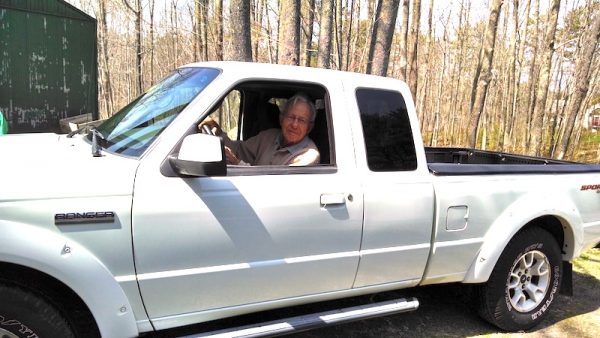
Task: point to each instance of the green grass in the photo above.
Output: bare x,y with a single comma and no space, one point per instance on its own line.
589,263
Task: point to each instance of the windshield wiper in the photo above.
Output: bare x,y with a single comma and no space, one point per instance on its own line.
96,147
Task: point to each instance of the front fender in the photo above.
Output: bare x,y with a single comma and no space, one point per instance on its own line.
514,218
72,264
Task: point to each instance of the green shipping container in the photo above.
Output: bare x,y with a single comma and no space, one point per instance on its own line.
48,65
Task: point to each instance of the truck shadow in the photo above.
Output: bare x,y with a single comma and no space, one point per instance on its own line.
448,311
445,311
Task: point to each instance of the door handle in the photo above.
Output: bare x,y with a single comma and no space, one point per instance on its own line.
333,199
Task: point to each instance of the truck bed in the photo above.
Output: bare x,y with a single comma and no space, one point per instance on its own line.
465,161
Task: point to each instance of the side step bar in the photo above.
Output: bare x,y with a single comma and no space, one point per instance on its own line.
315,320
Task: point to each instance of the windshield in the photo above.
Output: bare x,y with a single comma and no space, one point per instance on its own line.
132,130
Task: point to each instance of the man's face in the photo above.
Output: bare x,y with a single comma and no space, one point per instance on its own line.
295,123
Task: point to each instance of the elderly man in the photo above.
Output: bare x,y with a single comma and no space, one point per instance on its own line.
289,145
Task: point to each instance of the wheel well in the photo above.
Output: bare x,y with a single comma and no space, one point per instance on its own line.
555,227
54,291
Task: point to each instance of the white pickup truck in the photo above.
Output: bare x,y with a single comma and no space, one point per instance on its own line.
140,226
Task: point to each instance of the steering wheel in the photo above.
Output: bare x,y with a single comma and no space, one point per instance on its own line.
206,130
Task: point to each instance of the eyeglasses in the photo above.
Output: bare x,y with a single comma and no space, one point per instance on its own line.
300,120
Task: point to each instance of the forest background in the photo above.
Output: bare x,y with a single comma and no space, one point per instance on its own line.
518,76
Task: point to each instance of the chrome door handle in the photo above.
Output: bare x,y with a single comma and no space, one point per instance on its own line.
333,199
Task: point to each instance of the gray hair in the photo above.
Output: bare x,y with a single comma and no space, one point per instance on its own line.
300,97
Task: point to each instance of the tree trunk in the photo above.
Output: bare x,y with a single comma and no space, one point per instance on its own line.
437,116
485,75
198,36
239,31
138,45
544,80
289,33
581,81
151,80
307,27
513,131
413,73
556,110
404,41
325,31
456,100
338,28
106,89
349,36
256,23
428,74
137,12
514,53
219,29
272,53
533,72
383,32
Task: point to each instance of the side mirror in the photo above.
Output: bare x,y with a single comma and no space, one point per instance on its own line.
200,155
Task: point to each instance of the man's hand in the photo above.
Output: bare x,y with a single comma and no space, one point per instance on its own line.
212,124
230,157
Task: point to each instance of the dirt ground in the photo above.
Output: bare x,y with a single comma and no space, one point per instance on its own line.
446,311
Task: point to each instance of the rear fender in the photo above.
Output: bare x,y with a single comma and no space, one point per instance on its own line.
517,216
76,267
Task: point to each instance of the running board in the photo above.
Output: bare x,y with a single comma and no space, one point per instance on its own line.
315,320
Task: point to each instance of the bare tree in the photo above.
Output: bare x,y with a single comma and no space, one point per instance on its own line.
239,30
325,32
256,12
151,40
218,13
200,39
544,80
383,31
514,53
413,74
581,81
308,18
425,64
533,71
518,91
404,40
289,33
106,88
456,100
137,12
484,70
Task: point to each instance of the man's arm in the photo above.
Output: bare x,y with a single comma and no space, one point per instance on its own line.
308,157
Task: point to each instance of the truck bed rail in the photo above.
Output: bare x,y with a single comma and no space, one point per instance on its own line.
464,161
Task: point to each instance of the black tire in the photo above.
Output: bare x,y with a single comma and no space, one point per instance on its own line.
26,314
524,282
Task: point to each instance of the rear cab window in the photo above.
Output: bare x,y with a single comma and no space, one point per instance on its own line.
387,131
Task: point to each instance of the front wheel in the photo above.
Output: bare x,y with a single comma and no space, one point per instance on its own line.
26,314
524,282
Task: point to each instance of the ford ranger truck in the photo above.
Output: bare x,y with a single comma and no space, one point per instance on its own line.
138,225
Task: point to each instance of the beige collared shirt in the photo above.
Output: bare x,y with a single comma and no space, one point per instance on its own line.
265,149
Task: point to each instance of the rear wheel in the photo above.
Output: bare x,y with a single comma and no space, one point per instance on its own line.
26,314
524,282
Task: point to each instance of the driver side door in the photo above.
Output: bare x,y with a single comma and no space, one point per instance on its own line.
210,247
